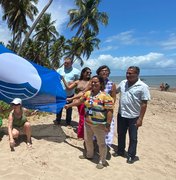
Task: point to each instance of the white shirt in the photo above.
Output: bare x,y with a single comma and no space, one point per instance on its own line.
131,98
70,75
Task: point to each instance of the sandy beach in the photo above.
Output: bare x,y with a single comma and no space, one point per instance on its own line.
55,150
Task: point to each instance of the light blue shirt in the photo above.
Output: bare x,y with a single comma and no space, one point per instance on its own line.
131,98
70,75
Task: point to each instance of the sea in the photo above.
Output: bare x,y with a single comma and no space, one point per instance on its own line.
151,81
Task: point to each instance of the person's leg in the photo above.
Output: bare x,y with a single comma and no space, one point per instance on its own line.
68,116
122,127
15,133
81,111
69,113
110,135
100,134
27,131
58,117
132,138
89,141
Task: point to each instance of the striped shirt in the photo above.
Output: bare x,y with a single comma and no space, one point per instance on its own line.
96,107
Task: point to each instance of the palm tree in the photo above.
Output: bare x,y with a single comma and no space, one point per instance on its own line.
33,52
79,47
12,45
87,16
34,25
73,49
16,13
57,51
89,43
46,33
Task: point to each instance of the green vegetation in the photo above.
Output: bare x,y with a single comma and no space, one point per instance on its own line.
46,46
4,109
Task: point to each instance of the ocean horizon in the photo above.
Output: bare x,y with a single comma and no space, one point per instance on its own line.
152,81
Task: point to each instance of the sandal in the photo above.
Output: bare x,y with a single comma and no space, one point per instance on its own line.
29,145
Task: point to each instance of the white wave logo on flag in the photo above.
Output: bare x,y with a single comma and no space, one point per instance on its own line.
39,87
19,78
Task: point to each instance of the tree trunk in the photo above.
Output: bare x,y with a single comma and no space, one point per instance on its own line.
33,26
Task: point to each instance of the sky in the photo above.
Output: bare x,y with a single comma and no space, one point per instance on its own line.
139,33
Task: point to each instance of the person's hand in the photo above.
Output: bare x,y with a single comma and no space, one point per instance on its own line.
34,112
107,127
69,99
66,106
139,122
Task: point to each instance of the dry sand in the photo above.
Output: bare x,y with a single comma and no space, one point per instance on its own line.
55,150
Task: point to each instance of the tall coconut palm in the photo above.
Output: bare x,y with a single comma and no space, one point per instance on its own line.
46,33
16,13
86,16
34,25
78,48
57,51
90,42
33,52
74,49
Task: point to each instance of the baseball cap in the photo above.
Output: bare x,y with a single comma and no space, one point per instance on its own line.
16,101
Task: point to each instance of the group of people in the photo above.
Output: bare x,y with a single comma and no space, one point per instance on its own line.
164,87
95,98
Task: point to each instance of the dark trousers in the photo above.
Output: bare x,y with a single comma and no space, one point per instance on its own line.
124,124
68,114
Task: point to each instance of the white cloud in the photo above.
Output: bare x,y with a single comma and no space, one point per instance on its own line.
123,38
58,10
169,44
149,61
108,48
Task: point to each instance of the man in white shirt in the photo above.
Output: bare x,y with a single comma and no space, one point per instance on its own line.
134,95
70,74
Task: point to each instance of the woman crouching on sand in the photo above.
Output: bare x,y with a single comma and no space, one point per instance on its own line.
17,119
98,116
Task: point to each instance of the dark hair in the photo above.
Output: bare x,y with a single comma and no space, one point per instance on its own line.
102,67
135,68
83,71
68,58
101,80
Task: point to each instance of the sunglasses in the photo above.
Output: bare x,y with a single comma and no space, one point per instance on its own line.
15,104
88,72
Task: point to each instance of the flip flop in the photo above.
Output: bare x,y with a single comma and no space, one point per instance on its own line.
29,145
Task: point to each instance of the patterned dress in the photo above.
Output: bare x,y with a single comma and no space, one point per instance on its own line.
110,135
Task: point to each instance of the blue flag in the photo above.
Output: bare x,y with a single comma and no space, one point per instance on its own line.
38,87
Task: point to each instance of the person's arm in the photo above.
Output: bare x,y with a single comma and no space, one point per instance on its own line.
75,103
76,96
113,92
142,113
10,126
88,87
109,119
70,86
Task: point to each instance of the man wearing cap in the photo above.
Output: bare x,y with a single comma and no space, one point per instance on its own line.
16,120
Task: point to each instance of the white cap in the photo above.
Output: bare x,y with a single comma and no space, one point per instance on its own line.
16,101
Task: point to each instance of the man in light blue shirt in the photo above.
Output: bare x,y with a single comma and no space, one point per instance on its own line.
70,74
134,95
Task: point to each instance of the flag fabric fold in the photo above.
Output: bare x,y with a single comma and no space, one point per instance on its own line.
39,87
